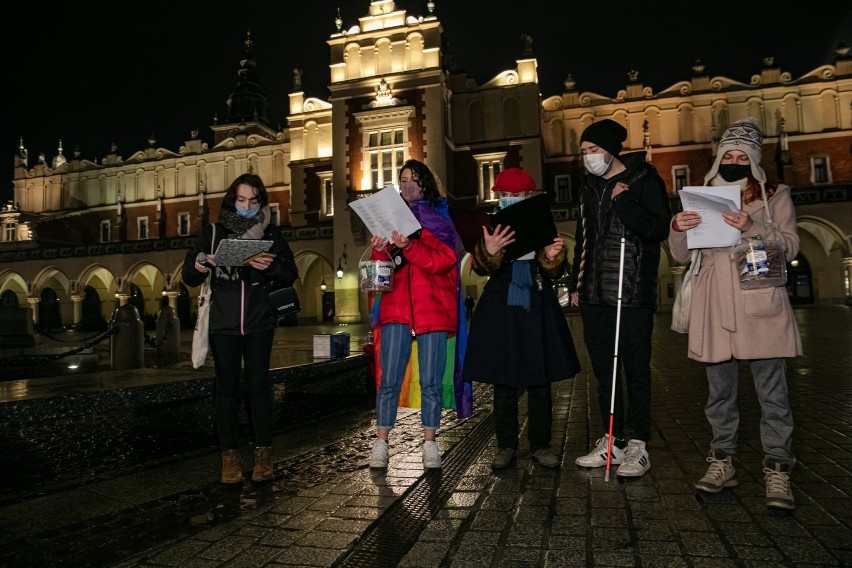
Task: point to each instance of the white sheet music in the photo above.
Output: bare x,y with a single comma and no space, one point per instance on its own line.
710,203
386,211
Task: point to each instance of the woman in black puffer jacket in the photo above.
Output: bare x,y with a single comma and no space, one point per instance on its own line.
242,322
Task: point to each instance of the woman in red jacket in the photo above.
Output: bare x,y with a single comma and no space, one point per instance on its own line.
423,305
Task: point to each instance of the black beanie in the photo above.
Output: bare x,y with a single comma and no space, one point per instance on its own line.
607,134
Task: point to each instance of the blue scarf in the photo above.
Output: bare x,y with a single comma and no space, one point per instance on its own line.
521,285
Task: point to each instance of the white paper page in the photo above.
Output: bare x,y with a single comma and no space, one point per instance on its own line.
710,203
384,212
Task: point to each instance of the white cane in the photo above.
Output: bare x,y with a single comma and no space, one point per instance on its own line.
615,360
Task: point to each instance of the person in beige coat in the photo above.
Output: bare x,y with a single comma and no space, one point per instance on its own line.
728,324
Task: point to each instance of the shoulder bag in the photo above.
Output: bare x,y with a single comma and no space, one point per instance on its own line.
681,307
201,337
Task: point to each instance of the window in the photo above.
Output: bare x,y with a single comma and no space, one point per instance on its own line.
9,231
489,165
327,194
680,177
562,185
105,232
142,227
820,172
273,214
183,224
386,151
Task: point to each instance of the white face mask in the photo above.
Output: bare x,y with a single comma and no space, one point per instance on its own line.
596,164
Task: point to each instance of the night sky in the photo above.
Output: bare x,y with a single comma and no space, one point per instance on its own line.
124,71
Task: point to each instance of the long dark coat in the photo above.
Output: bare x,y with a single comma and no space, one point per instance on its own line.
506,344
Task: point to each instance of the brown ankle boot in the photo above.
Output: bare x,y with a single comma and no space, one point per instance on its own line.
262,464
232,470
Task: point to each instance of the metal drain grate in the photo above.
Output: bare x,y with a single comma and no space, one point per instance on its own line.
397,530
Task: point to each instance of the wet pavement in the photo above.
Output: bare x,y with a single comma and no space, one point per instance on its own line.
326,508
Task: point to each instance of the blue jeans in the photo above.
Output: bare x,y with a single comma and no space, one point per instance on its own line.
395,352
776,418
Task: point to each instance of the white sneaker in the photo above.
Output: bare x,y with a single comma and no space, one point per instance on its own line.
636,461
779,495
431,455
597,457
379,454
720,474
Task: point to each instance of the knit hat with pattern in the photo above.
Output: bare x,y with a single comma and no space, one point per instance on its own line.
745,136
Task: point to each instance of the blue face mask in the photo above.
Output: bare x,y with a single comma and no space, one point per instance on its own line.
246,213
504,202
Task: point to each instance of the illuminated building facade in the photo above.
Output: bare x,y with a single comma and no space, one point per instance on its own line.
81,236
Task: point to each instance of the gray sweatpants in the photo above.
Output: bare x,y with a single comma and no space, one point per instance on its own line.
776,418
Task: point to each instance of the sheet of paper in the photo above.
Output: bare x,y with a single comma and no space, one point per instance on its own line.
386,211
710,203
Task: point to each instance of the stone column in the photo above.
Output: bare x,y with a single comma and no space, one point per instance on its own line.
33,302
78,308
847,285
173,296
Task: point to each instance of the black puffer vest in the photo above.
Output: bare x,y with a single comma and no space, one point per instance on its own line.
597,276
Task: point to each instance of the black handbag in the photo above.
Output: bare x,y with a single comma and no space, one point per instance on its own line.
284,301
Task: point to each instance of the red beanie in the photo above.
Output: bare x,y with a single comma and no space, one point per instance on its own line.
514,180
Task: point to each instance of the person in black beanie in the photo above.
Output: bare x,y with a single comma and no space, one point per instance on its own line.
623,196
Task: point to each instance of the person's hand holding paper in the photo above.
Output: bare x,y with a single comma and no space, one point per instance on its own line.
385,212
702,218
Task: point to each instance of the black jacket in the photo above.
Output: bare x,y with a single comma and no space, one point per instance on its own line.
239,304
641,215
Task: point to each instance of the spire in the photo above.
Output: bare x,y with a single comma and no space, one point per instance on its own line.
247,102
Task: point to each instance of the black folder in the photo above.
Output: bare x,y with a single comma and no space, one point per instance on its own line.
532,222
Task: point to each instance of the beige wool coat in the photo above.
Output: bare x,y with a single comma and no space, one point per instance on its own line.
726,321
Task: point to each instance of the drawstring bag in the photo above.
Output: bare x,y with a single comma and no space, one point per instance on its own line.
377,275
201,337
760,263
681,307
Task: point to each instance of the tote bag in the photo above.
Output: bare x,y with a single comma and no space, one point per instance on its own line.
681,307
200,337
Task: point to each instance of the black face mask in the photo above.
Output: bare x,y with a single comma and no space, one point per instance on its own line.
734,172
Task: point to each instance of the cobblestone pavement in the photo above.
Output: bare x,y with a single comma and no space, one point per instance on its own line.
326,508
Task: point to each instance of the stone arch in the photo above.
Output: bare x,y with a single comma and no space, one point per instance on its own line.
311,139
721,116
104,283
828,101
314,269
145,284
12,282
511,117
686,123
824,244
384,57
58,308
352,59
790,110
754,109
476,118
652,115
557,137
414,49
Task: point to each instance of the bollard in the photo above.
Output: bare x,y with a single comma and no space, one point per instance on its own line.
168,336
127,347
